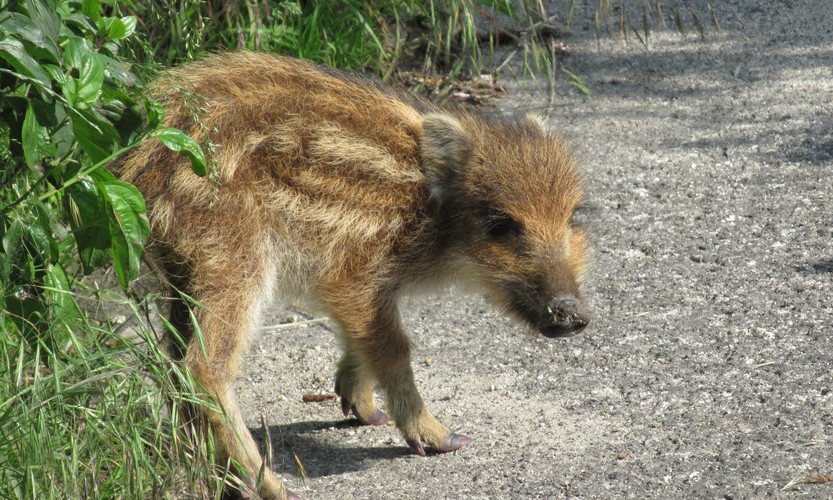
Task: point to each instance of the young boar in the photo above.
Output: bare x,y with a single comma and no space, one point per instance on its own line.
335,191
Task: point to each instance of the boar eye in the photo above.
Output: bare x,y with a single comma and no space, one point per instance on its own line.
500,225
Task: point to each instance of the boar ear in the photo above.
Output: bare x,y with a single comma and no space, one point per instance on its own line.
445,148
537,122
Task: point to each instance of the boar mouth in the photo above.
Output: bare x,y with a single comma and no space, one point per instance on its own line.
564,316
553,331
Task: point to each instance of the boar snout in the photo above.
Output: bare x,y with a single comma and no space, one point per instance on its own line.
566,316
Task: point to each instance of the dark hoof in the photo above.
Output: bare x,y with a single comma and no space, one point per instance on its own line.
416,447
454,442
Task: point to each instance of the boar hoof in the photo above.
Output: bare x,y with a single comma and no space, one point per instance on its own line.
378,418
451,443
454,442
416,447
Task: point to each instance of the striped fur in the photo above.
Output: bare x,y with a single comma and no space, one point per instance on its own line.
335,191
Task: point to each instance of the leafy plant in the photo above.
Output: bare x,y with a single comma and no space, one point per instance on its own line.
68,106
67,111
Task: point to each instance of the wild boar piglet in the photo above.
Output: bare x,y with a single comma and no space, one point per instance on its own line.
333,191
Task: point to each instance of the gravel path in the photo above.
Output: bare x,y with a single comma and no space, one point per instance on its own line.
708,369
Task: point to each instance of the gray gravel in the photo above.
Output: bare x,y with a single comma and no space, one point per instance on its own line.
708,369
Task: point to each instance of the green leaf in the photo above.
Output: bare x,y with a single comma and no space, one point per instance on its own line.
81,22
62,305
90,80
83,92
70,90
117,71
100,175
128,229
35,136
129,125
154,112
45,17
12,23
96,136
13,51
109,48
91,9
88,213
129,25
22,28
73,49
56,73
61,134
116,30
43,228
177,140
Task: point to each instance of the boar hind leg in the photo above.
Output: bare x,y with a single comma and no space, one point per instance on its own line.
225,316
354,385
378,344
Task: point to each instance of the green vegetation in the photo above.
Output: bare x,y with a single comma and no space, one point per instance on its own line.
371,36
80,405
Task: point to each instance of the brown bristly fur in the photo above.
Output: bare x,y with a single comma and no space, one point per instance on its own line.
339,192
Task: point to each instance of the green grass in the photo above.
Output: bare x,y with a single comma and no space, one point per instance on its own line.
90,410
373,36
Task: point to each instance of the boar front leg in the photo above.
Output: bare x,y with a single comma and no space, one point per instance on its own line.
377,345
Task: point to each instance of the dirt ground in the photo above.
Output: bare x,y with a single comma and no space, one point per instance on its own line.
707,371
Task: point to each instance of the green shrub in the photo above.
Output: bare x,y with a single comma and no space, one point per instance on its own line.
80,406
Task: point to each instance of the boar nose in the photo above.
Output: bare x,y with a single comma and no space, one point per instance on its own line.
565,317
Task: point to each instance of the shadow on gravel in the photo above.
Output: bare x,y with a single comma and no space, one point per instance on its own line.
715,81
814,151
319,456
819,267
716,67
